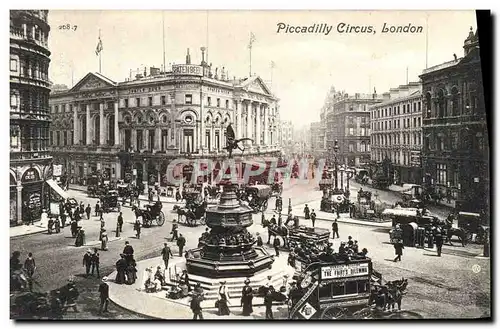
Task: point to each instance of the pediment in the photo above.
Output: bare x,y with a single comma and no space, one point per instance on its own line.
256,85
93,81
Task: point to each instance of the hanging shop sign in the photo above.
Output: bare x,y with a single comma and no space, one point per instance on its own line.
30,175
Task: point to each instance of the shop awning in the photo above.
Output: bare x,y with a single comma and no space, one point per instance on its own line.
53,184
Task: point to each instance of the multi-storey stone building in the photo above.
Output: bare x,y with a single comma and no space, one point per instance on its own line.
286,136
348,122
396,132
136,127
30,160
316,140
455,153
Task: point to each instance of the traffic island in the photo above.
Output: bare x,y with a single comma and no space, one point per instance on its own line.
156,305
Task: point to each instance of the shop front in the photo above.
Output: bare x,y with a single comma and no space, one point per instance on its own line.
13,201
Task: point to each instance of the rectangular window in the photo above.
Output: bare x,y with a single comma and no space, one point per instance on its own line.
351,131
13,100
209,101
419,106
163,100
351,147
137,102
13,64
441,173
150,101
189,99
227,104
218,102
404,108
126,102
65,138
362,131
414,122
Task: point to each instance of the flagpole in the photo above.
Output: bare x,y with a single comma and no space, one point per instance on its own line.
206,41
163,29
100,51
426,39
250,60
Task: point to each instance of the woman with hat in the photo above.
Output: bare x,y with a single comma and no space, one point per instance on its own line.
246,298
222,307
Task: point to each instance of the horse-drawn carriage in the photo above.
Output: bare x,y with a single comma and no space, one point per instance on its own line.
257,197
333,200
342,290
276,188
151,213
361,176
476,228
302,234
413,228
213,192
193,213
109,202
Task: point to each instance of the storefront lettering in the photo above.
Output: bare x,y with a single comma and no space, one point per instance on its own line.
30,175
187,69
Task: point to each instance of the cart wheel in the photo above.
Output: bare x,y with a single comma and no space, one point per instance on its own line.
160,219
334,313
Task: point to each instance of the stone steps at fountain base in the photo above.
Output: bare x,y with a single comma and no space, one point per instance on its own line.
235,285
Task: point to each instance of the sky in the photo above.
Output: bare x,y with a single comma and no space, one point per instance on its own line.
306,64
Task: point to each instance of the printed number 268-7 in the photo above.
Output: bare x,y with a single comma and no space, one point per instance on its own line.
68,27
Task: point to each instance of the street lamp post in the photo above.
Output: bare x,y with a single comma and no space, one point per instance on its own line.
335,150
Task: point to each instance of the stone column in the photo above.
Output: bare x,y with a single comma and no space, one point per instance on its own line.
145,175
266,124
118,169
19,202
134,139
145,139
117,129
157,145
121,136
102,132
89,124
239,119
258,118
76,132
249,122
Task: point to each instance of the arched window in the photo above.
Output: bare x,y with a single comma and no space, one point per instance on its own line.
441,104
454,102
428,105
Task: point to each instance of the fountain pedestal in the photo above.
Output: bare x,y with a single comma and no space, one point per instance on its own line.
228,250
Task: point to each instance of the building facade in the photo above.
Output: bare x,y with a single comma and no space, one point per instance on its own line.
396,132
316,138
132,130
348,122
455,153
30,160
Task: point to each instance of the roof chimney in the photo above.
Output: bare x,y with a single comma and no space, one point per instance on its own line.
188,57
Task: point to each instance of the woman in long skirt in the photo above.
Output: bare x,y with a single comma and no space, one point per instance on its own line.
246,298
223,309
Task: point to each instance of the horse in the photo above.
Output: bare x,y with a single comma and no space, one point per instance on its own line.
275,232
396,292
458,232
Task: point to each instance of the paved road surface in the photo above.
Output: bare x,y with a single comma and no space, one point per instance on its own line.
439,287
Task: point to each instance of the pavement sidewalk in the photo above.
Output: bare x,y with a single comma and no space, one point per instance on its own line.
26,229
326,216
